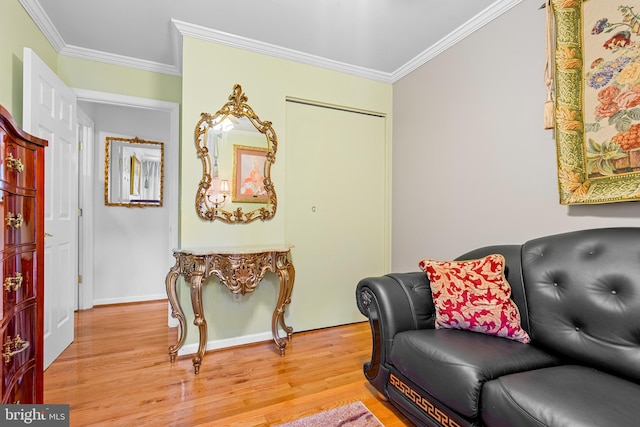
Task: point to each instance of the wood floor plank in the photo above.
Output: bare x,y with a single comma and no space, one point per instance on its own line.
117,373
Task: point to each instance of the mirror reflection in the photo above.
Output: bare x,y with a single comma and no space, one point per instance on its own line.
237,150
134,172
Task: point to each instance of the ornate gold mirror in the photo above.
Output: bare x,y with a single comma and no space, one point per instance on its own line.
133,172
237,150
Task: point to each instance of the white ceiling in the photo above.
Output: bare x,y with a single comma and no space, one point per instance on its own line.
379,39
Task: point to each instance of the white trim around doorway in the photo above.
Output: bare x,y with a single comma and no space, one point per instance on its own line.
172,154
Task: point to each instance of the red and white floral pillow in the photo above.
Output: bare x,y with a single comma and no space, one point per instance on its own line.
474,295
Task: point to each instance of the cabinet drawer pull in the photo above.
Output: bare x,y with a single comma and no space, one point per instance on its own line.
13,347
13,220
13,283
13,163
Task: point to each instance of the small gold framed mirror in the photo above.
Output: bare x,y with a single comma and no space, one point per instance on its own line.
237,150
133,172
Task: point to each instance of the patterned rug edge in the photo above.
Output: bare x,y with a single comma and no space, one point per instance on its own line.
354,414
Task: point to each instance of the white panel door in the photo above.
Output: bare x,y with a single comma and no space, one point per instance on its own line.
50,113
335,210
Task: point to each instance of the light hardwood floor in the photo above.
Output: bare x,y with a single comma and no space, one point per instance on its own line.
117,372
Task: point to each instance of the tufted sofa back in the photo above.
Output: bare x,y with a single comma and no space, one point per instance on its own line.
583,297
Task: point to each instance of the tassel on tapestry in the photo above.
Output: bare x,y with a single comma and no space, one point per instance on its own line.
549,105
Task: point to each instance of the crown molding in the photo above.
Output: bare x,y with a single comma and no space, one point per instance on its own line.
41,19
180,29
124,61
232,40
469,27
176,40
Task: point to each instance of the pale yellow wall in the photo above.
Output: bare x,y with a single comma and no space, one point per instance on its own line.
209,74
102,77
17,30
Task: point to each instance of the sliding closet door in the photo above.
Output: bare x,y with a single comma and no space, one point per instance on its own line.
335,207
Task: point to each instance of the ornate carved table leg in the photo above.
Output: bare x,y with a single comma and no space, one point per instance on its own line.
196,278
286,274
176,308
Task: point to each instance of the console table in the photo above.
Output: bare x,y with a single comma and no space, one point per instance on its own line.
240,269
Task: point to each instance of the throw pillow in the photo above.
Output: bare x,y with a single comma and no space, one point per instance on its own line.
474,295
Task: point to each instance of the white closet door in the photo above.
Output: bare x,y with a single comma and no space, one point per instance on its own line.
336,210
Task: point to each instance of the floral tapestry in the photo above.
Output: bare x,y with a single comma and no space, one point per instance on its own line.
597,114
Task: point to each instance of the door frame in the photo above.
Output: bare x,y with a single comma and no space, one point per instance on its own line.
85,206
172,155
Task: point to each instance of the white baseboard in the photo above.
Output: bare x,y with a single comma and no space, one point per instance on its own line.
228,342
138,298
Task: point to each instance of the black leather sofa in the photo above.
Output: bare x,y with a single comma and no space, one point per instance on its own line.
578,295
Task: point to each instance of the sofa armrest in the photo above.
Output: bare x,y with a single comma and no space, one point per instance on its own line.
393,303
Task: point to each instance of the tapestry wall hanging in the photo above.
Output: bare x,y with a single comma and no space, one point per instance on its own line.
597,108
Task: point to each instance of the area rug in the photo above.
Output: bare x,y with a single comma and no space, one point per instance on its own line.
351,415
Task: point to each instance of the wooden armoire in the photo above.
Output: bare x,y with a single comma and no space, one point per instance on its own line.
22,245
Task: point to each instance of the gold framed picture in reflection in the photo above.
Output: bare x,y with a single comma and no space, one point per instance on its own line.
248,174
